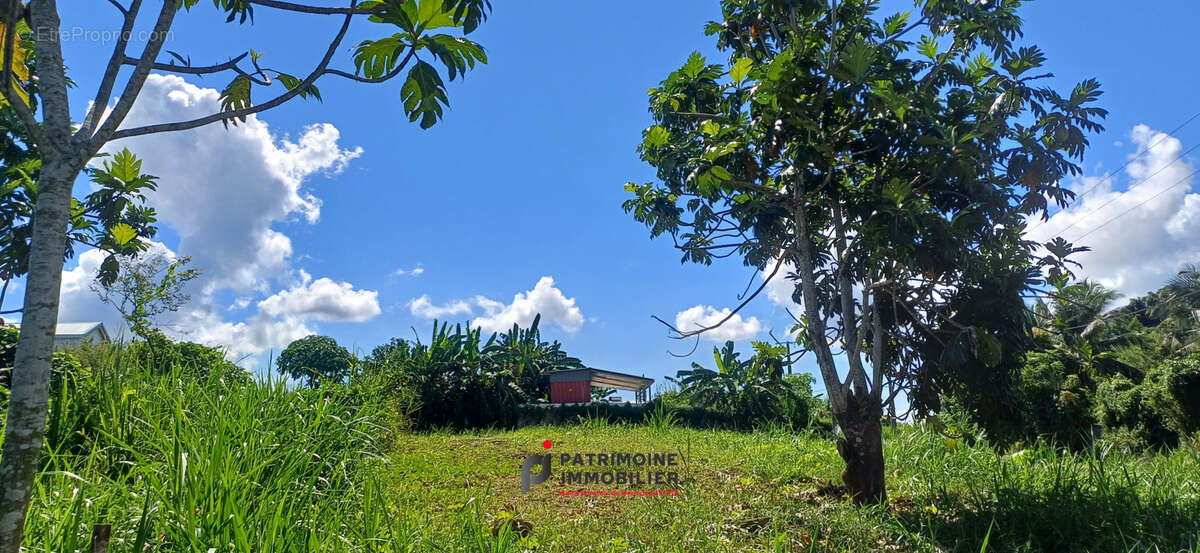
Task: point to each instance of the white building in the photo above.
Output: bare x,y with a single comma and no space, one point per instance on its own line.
73,335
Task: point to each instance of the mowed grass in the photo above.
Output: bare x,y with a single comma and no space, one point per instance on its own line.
776,491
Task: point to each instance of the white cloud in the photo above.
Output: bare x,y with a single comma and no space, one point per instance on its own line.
415,271
323,300
1158,229
424,307
545,299
253,336
221,191
700,316
779,289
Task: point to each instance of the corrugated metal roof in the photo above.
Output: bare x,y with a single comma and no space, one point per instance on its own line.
69,329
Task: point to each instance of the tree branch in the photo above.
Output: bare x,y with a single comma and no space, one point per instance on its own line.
201,121
110,73
192,70
375,80
119,7
140,72
815,324
304,8
735,311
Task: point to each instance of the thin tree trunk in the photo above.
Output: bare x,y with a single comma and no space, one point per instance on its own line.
861,447
29,399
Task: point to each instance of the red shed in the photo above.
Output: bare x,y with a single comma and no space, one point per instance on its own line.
575,385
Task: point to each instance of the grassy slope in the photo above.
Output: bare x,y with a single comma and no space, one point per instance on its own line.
181,464
763,491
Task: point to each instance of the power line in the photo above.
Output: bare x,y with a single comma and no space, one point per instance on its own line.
1114,311
1131,188
1140,204
1162,138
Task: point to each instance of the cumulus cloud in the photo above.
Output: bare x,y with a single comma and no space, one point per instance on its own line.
700,316
545,299
222,191
424,307
1153,218
323,300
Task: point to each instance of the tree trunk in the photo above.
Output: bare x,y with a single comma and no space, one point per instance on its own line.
29,399
861,447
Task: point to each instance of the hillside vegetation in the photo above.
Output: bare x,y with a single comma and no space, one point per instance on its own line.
182,459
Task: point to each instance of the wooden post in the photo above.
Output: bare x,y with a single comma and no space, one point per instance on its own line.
100,535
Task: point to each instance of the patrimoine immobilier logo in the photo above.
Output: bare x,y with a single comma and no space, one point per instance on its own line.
613,468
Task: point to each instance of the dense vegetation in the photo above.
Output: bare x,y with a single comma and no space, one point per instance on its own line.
1133,370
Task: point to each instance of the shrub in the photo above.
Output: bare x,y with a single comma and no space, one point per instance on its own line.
1174,393
159,353
1122,406
750,393
1054,399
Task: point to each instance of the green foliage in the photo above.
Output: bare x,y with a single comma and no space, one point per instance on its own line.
865,158
1054,400
1174,393
315,360
462,380
376,60
750,392
114,217
1135,357
146,288
769,490
171,460
8,345
1129,419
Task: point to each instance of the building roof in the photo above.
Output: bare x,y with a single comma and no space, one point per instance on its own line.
73,330
603,378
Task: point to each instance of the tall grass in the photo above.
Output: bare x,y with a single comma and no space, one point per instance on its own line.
176,463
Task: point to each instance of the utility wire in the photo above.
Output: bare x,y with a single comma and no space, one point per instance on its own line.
1140,204
1121,195
1161,139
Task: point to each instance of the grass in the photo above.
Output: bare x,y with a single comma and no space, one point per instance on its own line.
771,491
184,464
178,463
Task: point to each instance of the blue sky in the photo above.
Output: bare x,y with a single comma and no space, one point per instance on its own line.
523,179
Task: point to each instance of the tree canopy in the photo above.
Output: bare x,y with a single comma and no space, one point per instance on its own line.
315,359
885,165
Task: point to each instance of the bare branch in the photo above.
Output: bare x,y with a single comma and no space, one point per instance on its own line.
295,91
815,324
192,70
879,344
318,10
138,78
735,311
119,7
110,73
